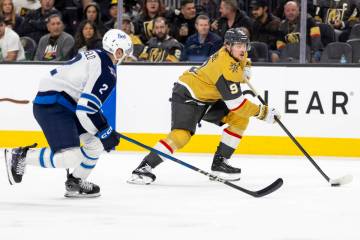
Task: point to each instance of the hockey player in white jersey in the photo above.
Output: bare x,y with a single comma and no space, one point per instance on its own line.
68,110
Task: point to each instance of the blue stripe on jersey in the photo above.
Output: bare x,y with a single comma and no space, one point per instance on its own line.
45,99
52,159
42,163
87,156
63,101
54,98
85,109
91,98
87,166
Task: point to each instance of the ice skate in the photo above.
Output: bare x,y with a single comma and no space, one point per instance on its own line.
222,169
15,163
78,188
142,175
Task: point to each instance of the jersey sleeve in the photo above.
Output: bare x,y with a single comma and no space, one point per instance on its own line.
100,83
229,88
230,92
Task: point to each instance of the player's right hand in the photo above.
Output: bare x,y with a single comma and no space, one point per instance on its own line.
268,114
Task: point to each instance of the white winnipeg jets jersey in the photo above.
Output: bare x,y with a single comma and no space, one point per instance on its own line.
82,85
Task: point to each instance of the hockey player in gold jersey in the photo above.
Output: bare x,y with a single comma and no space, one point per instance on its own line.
212,93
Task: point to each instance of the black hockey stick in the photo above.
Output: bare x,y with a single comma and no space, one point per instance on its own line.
260,193
334,182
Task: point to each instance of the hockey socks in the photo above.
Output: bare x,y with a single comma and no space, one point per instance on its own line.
229,142
154,159
78,158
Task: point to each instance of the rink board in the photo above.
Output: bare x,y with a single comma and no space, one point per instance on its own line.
318,105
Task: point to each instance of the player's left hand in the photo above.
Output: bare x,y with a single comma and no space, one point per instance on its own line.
109,138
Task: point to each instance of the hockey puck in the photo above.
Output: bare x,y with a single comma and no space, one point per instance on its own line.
335,184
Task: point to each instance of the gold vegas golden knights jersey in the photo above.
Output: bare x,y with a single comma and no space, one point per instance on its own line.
219,78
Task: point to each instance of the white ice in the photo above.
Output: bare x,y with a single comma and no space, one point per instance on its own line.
183,204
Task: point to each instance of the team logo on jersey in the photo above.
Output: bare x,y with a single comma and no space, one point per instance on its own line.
214,56
293,37
157,55
148,29
234,67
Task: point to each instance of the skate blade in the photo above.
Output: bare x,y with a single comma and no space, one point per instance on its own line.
8,166
226,176
80,195
139,180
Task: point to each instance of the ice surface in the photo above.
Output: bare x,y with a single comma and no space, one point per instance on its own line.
183,204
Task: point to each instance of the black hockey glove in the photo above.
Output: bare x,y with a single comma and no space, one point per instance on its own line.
109,138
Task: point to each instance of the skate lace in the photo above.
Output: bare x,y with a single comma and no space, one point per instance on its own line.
146,168
20,168
226,162
18,160
88,186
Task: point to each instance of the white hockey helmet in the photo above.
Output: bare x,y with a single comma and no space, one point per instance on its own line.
115,39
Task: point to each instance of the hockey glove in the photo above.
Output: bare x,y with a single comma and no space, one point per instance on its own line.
109,138
247,73
268,114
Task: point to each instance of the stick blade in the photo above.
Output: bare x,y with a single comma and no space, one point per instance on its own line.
269,189
341,181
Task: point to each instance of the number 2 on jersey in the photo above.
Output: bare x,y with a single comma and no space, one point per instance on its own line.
103,88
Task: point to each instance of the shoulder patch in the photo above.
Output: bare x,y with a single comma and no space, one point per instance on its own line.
234,67
214,56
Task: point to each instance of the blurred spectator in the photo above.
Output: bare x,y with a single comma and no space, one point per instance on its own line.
22,7
128,27
279,11
92,13
184,24
104,5
144,22
162,47
231,17
203,43
87,37
132,8
341,15
113,11
57,45
290,30
72,14
10,45
266,26
209,8
12,19
34,25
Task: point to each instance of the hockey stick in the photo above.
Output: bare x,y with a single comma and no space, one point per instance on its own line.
260,193
14,101
334,182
